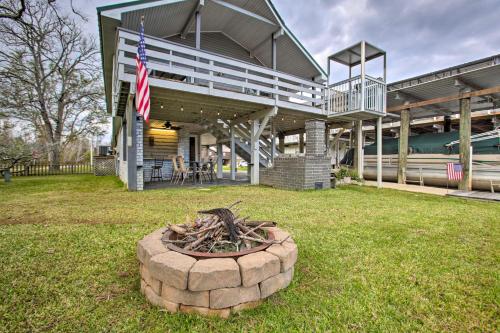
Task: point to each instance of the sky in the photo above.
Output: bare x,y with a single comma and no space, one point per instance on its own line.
419,36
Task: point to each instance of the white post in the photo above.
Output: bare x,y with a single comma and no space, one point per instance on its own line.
233,155
219,160
254,151
359,148
379,152
363,74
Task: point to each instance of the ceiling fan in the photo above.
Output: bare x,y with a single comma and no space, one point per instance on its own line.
168,125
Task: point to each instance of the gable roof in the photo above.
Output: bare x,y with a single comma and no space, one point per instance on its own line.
250,24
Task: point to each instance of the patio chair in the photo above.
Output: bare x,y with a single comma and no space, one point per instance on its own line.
176,172
185,172
205,171
156,172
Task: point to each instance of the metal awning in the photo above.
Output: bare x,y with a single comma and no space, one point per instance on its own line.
351,56
477,75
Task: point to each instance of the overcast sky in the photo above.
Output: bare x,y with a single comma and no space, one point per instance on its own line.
419,35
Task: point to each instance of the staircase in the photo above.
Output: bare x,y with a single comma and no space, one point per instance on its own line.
242,139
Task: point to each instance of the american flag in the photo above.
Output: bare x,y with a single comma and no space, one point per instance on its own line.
142,92
454,171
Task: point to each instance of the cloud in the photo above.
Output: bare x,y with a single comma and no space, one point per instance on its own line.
419,36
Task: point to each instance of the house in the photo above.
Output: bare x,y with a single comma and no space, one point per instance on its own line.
228,68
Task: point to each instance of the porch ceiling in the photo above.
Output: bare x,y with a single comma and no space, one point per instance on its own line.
183,107
248,23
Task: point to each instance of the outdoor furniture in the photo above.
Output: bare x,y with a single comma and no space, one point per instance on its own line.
176,172
207,171
184,171
196,167
420,180
156,172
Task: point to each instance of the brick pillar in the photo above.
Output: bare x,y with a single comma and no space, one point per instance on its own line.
315,134
139,130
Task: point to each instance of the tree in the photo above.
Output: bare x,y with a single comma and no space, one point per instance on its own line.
13,150
50,76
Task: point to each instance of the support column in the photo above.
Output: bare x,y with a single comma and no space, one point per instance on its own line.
301,143
198,30
273,142
465,143
281,137
233,155
254,152
131,146
220,156
379,152
358,149
403,144
447,124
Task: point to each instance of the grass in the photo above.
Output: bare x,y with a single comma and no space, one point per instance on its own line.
369,260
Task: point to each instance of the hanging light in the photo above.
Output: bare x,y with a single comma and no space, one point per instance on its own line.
182,108
161,106
201,110
218,113
294,121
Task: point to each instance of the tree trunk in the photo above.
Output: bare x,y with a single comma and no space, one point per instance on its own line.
54,157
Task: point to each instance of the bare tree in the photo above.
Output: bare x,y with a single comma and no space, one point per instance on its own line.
14,9
50,76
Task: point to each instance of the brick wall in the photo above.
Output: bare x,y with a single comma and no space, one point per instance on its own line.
302,172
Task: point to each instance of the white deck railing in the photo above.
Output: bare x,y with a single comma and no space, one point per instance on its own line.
346,95
179,67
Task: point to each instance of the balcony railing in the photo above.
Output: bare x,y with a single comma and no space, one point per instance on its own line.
346,96
179,67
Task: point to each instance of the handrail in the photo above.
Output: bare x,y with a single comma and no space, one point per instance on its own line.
207,54
221,74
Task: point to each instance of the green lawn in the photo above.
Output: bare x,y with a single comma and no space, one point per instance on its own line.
369,260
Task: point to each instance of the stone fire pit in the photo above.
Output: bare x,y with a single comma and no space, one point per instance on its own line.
213,286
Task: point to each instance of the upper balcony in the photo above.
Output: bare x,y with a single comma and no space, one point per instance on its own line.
178,67
359,97
348,97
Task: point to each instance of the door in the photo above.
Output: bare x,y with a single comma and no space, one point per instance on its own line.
192,148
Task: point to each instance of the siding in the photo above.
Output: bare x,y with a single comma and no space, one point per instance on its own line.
165,143
219,43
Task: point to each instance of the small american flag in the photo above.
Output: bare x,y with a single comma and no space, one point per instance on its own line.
142,102
454,171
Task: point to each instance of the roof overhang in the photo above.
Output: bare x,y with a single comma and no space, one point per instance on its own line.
351,56
252,26
472,76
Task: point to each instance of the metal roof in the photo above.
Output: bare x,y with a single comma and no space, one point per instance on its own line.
476,75
351,56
